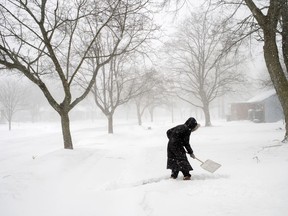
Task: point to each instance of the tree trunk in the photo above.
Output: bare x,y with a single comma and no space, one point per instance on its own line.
284,13
207,115
276,72
285,56
65,123
269,24
110,123
139,117
10,124
151,111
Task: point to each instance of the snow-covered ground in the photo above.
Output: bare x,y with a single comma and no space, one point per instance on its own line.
125,173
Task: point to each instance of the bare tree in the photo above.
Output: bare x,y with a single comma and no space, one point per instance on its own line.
115,86
12,97
147,100
202,57
152,94
268,22
159,95
47,40
142,101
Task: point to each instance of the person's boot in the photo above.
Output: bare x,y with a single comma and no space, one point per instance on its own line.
174,174
187,178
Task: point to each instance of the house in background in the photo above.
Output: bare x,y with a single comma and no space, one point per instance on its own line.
264,107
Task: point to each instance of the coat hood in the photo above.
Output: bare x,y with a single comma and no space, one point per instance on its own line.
191,123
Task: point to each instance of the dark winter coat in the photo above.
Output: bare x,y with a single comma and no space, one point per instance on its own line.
178,145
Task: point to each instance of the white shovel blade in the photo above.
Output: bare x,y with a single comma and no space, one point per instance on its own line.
210,166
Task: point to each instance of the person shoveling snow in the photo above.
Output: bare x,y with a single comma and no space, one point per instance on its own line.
178,145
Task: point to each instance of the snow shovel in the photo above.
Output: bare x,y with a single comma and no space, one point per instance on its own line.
209,165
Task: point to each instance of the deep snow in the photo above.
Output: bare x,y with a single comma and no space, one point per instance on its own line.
124,173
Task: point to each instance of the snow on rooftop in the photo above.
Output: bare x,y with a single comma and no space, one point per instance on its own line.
262,96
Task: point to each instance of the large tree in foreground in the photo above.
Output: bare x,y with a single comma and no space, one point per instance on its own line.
47,40
269,19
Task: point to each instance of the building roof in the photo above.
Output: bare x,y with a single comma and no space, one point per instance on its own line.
262,96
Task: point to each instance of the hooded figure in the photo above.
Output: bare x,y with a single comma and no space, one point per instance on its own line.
178,146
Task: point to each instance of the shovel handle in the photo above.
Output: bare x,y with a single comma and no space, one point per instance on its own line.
199,160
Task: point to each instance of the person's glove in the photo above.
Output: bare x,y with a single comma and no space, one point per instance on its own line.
192,155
